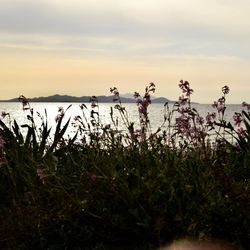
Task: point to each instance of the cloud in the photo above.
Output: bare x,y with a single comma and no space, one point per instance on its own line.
158,18
44,18
152,37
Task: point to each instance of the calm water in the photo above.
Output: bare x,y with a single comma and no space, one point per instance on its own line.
156,112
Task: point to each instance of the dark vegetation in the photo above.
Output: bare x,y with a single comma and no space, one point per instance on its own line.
135,189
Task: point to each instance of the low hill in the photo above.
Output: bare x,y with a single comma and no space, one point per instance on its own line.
83,99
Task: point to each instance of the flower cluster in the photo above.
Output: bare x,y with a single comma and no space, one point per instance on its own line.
237,117
190,127
143,104
116,95
94,113
94,102
24,101
60,114
182,100
220,104
184,85
225,89
240,130
210,119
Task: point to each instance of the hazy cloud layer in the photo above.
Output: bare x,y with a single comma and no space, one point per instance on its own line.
175,27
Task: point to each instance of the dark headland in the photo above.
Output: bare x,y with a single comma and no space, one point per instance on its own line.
84,99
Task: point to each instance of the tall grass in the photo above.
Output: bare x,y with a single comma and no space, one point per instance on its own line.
140,189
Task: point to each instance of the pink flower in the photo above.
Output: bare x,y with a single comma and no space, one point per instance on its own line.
184,110
200,120
182,100
142,108
220,105
210,118
185,88
60,115
25,102
237,119
225,89
221,108
241,132
116,94
214,105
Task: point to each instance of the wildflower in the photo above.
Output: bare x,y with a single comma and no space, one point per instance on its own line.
3,114
214,105
241,132
237,119
184,110
225,89
57,118
221,108
41,175
143,104
142,134
183,125
220,105
200,120
24,101
142,107
152,86
94,102
185,88
116,94
182,100
210,118
60,115
197,134
136,95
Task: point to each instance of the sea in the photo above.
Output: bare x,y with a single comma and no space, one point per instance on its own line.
50,110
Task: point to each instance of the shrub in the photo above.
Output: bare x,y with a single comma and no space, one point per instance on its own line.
106,189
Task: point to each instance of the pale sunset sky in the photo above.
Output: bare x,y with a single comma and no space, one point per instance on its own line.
84,47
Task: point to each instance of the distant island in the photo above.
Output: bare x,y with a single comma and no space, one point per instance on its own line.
85,99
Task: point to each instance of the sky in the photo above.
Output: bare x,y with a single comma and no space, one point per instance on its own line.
84,47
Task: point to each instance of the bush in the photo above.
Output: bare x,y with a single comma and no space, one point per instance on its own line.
134,190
